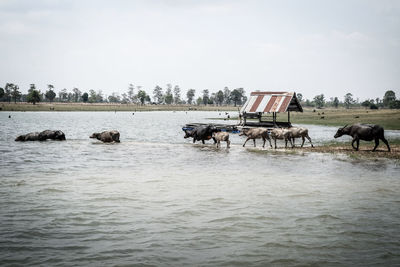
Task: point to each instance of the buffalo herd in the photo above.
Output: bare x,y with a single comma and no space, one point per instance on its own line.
366,132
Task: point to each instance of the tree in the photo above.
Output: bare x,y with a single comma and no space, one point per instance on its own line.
388,98
15,93
299,97
114,98
63,95
237,95
206,96
99,97
50,95
348,100
77,94
142,96
1,93
190,94
85,97
34,96
177,94
158,95
219,97
319,100
227,96
199,101
7,91
131,93
335,102
168,95
92,96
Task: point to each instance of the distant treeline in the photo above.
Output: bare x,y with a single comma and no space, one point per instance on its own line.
133,95
173,95
388,101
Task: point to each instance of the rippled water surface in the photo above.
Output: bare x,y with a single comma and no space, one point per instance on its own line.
157,199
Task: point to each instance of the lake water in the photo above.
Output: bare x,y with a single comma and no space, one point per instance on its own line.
157,199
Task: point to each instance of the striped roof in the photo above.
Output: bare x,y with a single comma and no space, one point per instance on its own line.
271,102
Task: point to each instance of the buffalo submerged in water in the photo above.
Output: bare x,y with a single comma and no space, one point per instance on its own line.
42,136
366,132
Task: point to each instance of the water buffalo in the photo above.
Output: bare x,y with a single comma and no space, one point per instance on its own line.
280,133
366,132
297,132
201,133
221,136
53,135
107,136
28,137
256,133
42,136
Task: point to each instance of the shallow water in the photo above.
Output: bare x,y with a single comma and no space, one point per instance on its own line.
157,199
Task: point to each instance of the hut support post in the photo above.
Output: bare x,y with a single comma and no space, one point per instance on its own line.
274,118
288,116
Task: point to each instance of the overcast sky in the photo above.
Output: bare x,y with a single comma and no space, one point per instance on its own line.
311,47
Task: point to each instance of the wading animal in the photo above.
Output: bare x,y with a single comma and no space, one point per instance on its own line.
366,132
201,133
53,135
42,136
28,137
256,133
283,134
107,136
297,132
221,136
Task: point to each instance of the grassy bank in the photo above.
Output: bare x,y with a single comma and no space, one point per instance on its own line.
106,107
388,118
365,150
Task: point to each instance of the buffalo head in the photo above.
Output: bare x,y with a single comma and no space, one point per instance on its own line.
341,131
59,135
95,135
188,133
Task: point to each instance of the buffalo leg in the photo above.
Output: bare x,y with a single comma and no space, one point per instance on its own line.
352,144
302,144
358,144
309,139
386,143
292,144
269,140
218,143
275,142
228,143
202,142
215,141
293,141
264,142
248,138
376,143
254,141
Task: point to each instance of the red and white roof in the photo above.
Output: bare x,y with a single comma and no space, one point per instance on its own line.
271,102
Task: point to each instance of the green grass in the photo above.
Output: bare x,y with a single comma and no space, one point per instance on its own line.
388,118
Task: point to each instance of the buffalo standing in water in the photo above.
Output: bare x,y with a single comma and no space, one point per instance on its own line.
107,136
201,133
42,136
366,132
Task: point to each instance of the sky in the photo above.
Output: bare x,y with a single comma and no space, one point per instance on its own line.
330,47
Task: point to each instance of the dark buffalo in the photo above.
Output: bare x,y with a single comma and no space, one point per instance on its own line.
366,132
53,135
107,136
42,136
28,137
201,133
